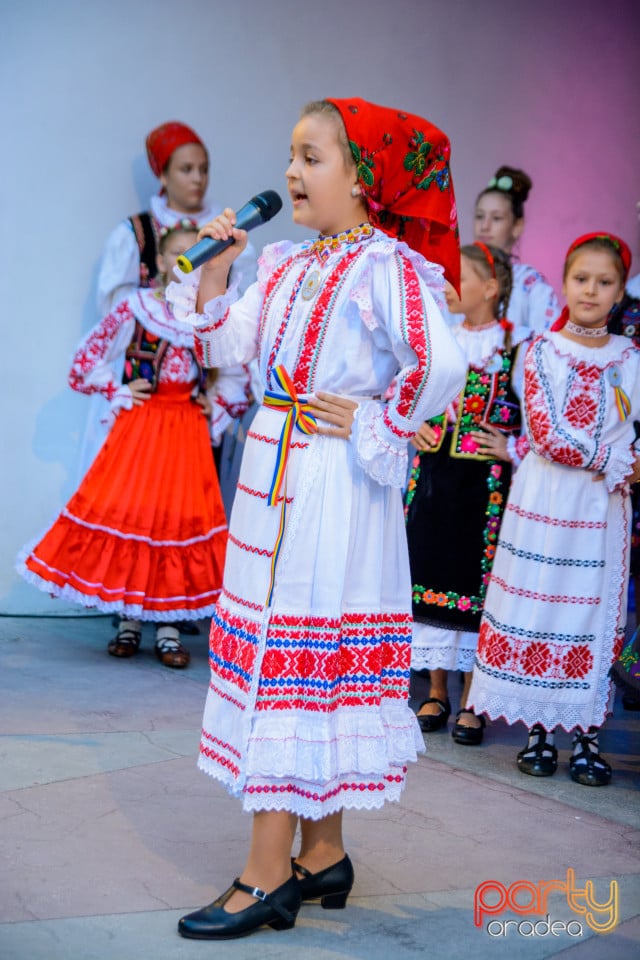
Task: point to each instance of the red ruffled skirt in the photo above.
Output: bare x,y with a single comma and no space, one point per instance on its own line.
145,534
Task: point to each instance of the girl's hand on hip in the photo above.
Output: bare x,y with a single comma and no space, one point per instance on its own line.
140,391
203,401
491,442
425,438
338,411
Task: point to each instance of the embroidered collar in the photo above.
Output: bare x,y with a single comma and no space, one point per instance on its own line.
323,247
154,313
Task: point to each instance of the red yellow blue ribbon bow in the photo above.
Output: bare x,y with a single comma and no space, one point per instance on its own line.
299,416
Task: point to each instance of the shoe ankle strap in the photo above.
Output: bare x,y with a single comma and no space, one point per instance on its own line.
266,898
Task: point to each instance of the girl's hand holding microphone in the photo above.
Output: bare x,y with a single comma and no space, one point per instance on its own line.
215,272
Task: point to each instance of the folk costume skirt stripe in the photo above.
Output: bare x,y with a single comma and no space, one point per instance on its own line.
145,533
307,709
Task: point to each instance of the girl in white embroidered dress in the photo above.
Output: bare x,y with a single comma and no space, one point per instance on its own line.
555,610
307,711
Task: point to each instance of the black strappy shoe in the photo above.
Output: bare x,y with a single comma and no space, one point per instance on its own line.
278,910
588,766
539,759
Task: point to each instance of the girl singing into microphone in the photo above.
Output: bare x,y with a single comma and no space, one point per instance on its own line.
307,710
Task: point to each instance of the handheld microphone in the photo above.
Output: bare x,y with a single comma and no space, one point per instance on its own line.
258,210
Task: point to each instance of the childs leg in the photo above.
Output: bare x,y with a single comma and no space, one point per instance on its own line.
269,862
321,843
323,868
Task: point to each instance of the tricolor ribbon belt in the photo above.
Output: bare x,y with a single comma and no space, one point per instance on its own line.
298,416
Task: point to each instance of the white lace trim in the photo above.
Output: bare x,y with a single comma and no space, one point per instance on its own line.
132,611
384,461
182,294
303,763
442,658
618,468
149,307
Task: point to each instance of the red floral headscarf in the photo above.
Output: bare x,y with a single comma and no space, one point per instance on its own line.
620,248
403,169
165,140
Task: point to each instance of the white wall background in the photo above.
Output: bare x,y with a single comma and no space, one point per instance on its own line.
550,86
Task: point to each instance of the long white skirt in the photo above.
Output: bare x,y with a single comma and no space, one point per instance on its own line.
307,709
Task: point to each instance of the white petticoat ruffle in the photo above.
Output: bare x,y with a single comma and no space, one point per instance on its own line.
315,765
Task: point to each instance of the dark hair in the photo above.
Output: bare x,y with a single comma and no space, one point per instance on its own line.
597,243
327,109
512,183
503,276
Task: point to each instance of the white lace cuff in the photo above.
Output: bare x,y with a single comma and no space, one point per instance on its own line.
382,455
121,400
182,294
618,468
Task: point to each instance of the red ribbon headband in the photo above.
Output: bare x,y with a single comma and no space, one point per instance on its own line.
488,255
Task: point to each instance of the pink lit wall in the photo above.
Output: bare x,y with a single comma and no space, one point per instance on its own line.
549,85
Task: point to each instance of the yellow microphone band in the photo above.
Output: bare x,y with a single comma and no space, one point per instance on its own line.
184,263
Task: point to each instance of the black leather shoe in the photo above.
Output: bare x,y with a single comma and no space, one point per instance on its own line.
332,886
277,909
434,721
468,736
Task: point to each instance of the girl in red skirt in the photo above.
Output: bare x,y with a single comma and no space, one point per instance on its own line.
145,534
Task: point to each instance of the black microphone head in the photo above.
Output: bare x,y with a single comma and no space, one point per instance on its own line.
268,203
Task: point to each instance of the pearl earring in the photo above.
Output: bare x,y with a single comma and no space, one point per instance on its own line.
355,191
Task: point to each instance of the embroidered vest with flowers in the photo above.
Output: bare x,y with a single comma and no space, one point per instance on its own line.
488,397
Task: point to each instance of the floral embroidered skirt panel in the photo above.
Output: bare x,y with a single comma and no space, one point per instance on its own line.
307,709
555,611
145,533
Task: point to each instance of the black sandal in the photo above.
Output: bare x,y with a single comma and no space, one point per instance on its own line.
540,759
434,721
588,766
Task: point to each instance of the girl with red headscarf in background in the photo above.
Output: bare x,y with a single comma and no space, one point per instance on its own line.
555,611
307,711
